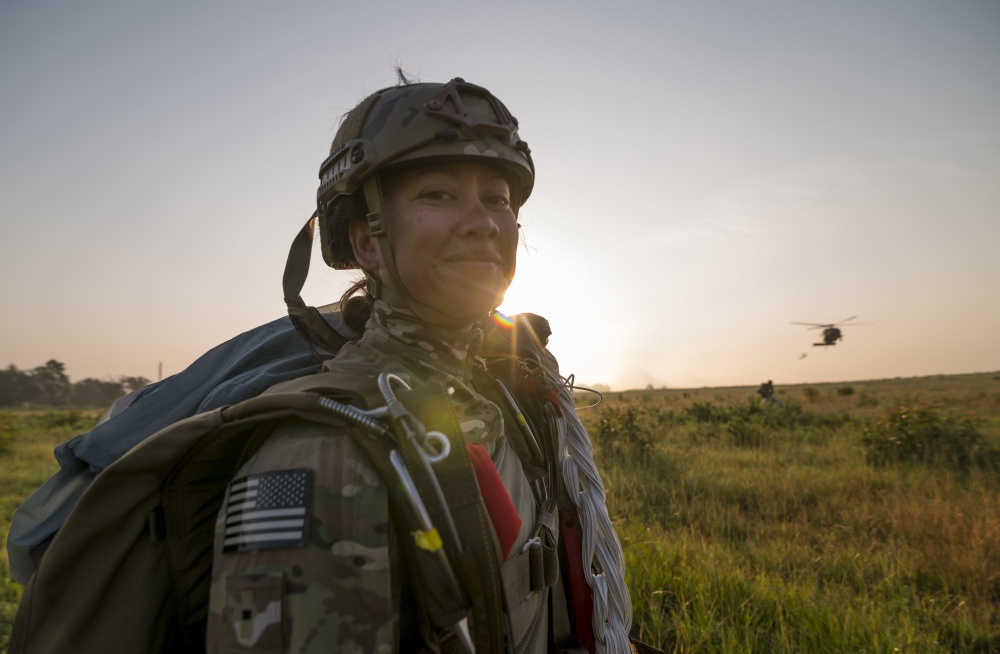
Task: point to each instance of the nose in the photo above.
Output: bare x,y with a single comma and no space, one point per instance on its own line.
479,221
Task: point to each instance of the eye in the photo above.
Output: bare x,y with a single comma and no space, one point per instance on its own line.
437,195
498,201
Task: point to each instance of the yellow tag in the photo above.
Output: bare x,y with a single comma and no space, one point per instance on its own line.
428,540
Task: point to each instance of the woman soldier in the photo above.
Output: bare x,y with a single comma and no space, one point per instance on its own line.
421,191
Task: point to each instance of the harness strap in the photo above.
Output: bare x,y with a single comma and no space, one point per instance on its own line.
307,320
562,629
518,431
544,547
477,558
580,594
536,567
516,573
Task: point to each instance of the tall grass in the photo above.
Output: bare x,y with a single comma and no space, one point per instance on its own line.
27,438
752,528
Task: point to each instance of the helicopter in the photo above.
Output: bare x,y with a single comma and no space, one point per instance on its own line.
831,331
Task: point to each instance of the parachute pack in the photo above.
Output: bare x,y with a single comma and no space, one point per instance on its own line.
239,369
119,558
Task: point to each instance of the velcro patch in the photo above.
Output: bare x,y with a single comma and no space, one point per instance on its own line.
268,510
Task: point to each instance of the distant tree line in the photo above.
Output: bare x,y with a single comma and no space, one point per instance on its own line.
48,385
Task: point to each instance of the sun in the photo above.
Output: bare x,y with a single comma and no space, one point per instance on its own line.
533,290
548,287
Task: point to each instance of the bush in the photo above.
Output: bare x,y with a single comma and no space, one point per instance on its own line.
867,400
6,435
56,425
749,433
845,391
706,412
70,421
619,429
912,433
811,393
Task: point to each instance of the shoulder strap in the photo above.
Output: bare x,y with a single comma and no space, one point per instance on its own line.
351,389
307,320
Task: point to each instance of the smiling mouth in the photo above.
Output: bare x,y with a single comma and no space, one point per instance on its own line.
477,259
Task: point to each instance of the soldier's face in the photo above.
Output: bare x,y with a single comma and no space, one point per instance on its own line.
453,235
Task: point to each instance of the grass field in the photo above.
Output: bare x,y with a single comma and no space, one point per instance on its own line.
851,517
767,529
27,438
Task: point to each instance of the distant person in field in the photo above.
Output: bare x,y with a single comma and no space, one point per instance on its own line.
766,391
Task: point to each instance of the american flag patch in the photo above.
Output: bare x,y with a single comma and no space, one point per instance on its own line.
267,510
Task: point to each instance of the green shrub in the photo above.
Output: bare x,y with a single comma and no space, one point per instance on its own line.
911,433
811,393
845,391
706,412
749,433
54,424
866,400
71,421
785,414
619,429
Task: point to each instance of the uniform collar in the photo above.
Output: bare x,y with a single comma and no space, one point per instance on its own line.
450,350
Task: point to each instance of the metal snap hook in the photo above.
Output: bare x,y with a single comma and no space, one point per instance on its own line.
436,447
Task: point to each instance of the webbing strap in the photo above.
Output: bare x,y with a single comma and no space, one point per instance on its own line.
380,232
519,435
477,562
562,631
308,321
516,573
579,592
535,568
297,264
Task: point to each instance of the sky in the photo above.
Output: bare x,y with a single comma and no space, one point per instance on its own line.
707,174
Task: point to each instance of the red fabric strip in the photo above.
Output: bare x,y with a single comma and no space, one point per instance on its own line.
506,521
580,595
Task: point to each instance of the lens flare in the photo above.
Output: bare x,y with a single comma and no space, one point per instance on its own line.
503,320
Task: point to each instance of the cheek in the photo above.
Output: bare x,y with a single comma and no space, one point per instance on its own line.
509,239
411,238
509,232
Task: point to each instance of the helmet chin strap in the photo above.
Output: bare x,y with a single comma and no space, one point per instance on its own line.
400,297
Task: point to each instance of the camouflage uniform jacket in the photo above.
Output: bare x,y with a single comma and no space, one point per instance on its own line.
338,585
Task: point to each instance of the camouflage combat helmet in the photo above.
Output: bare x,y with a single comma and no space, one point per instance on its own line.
400,125
412,123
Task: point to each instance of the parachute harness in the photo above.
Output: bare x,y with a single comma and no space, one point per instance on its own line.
430,447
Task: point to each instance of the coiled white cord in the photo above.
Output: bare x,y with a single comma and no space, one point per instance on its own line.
603,561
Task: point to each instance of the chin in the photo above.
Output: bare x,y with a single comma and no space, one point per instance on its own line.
473,309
